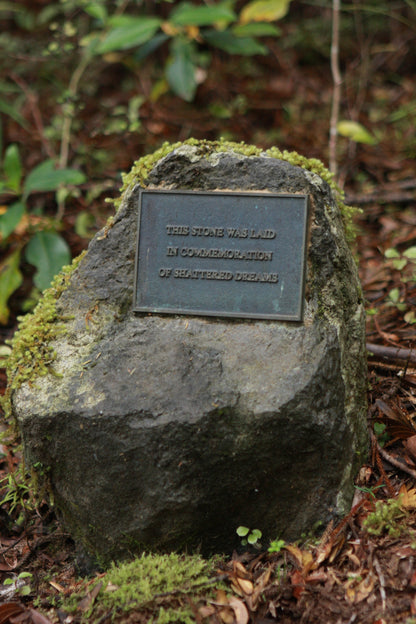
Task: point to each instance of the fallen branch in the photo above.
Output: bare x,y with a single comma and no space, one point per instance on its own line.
391,197
392,353
396,462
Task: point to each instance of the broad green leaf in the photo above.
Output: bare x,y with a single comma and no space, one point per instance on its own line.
394,295
10,280
11,218
45,177
399,263
96,10
356,132
128,33
48,252
256,29
264,11
410,253
391,253
252,538
150,46
226,40
181,71
13,168
190,15
242,531
410,317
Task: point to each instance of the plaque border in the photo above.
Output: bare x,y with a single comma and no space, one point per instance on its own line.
232,315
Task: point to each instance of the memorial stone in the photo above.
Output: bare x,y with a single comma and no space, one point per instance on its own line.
209,366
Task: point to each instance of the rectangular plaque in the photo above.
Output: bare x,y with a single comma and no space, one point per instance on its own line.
221,254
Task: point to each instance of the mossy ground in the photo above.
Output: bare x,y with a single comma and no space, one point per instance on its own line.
161,586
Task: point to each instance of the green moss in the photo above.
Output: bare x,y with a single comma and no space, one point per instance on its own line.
157,585
32,354
142,168
387,517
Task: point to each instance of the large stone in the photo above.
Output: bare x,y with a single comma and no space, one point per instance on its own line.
168,432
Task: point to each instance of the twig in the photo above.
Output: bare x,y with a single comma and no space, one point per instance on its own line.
336,94
386,197
69,115
392,353
33,101
395,462
382,583
379,463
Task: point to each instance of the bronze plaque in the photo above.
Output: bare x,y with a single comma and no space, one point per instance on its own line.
218,253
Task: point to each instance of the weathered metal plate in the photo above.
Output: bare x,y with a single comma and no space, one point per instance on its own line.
221,254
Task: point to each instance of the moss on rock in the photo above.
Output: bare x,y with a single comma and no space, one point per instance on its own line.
32,354
142,168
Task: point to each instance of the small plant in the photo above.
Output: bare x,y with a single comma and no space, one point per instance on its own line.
18,585
276,546
30,235
405,263
386,518
381,433
369,490
250,536
17,491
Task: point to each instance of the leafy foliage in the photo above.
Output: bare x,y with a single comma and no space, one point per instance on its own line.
43,247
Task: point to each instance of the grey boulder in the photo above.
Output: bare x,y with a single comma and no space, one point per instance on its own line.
168,432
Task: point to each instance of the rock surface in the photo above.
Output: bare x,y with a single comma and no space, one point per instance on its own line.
170,432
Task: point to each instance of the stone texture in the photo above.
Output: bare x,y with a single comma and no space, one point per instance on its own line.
170,432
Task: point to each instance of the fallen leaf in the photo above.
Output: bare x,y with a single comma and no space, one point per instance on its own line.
303,558
245,585
8,610
38,618
206,611
227,615
413,606
408,497
56,586
21,618
239,570
359,592
298,583
410,446
259,587
88,600
412,581
240,610
272,610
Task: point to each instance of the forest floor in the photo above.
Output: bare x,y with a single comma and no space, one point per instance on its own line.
364,569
